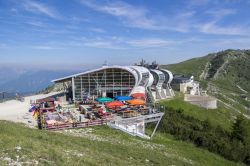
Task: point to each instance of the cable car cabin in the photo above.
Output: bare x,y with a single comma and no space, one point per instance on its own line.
47,104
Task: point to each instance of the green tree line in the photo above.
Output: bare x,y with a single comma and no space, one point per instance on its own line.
233,145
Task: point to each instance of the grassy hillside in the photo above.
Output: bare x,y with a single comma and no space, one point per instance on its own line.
207,129
224,74
193,66
96,146
220,116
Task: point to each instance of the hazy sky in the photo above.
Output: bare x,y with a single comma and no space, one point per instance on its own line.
88,32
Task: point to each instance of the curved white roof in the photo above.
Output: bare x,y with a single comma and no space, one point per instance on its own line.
128,68
151,80
140,70
136,71
170,75
158,72
160,75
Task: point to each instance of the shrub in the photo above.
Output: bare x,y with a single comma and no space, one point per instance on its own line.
231,145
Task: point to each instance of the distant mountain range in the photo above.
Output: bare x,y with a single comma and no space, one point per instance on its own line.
225,74
9,73
24,81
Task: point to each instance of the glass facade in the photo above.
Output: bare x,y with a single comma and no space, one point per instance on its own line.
161,78
156,79
144,80
107,82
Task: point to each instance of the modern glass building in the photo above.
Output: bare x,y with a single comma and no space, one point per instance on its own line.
111,81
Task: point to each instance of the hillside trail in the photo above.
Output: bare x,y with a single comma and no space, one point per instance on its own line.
215,90
219,70
204,74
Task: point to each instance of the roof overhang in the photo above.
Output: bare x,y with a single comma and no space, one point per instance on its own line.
69,78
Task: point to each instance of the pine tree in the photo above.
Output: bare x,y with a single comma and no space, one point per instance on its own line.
239,131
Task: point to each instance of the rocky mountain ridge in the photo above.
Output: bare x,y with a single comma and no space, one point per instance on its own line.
225,74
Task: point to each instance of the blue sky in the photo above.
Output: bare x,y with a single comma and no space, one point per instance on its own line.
67,33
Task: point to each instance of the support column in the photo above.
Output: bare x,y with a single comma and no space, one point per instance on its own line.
81,89
113,81
121,84
73,89
156,127
105,81
158,92
89,84
163,93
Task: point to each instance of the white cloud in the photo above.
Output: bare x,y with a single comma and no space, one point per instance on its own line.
139,17
213,28
225,43
108,43
220,13
99,30
182,21
186,14
237,43
14,10
77,20
125,43
99,44
45,47
3,45
130,15
36,23
37,7
151,42
197,3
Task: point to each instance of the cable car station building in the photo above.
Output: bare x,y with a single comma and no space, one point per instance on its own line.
111,81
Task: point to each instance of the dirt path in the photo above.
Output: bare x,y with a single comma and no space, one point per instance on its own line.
17,111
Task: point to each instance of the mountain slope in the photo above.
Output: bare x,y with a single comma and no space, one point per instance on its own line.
193,66
31,81
9,73
98,145
224,74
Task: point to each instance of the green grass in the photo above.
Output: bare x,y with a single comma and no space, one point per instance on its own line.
220,116
193,66
97,146
231,95
234,73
